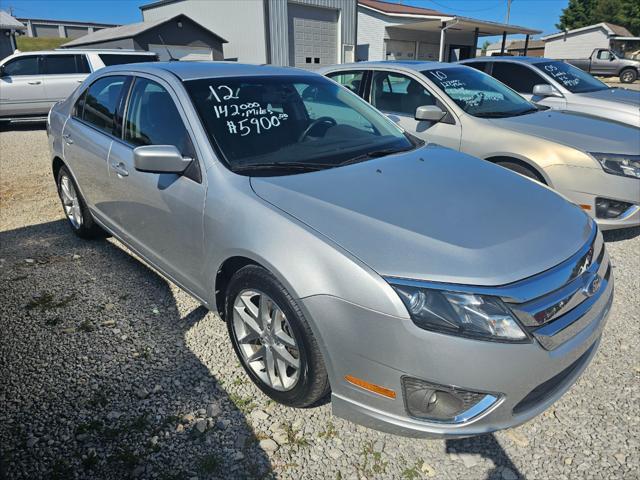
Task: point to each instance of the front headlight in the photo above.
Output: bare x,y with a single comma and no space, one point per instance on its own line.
619,164
465,314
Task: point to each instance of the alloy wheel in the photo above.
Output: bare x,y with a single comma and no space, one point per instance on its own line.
627,77
70,201
265,340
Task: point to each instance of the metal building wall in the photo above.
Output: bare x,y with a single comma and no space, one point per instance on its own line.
278,24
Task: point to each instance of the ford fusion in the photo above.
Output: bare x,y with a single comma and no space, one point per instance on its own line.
428,292
595,163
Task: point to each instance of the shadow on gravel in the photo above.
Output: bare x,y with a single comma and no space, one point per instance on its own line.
622,234
26,126
96,380
488,447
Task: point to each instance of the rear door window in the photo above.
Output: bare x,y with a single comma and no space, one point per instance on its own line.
27,65
100,103
395,92
120,59
351,80
64,64
518,77
482,66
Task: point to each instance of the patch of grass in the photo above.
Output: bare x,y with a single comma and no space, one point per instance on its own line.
46,301
99,400
86,326
139,424
293,438
52,322
208,464
30,44
127,457
61,470
238,381
412,473
93,426
244,404
330,432
372,463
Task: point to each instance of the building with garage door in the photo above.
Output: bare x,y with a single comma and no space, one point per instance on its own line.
177,37
43,28
301,33
392,31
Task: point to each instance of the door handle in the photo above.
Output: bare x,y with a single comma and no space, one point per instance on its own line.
79,81
34,82
120,169
67,138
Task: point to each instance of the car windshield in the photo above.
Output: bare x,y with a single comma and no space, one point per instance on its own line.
275,125
570,77
478,94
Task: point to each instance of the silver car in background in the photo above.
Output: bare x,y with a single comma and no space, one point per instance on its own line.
561,86
31,82
595,163
345,256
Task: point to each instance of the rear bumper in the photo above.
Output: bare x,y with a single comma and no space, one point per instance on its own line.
583,185
381,349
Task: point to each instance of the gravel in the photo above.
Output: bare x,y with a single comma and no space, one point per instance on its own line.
108,371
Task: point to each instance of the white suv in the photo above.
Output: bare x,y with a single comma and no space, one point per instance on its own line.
31,82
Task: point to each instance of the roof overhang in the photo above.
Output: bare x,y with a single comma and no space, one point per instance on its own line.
485,28
624,38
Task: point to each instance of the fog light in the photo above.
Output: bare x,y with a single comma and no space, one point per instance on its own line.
606,208
444,404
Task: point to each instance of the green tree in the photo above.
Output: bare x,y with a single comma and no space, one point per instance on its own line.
485,45
579,13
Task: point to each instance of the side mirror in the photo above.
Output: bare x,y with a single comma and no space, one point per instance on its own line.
545,90
430,113
1,70
159,159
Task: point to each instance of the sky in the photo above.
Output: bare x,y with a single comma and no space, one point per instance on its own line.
538,14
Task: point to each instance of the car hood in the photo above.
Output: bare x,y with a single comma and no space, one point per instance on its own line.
434,214
615,95
576,130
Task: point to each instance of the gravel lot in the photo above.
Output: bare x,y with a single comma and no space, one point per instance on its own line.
109,371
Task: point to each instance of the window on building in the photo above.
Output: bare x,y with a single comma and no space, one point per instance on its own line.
101,102
520,78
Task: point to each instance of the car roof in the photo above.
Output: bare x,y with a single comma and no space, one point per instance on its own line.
516,59
196,70
416,65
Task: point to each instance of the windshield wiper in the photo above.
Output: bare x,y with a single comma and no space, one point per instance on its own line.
303,166
373,154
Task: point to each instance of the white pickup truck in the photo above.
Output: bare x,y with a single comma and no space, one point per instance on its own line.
32,82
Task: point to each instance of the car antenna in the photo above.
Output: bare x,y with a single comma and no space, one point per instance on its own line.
171,57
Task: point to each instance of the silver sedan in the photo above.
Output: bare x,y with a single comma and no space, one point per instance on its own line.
346,257
595,163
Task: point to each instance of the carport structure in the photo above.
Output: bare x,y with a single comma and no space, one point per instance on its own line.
391,31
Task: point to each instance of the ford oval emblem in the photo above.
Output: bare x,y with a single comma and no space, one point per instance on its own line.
592,286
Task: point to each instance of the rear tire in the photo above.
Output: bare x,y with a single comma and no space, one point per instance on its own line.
523,170
628,75
75,208
273,340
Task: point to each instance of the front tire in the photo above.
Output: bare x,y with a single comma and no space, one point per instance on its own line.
75,208
628,75
273,340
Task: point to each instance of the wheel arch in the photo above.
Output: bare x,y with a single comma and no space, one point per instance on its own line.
56,165
223,276
524,163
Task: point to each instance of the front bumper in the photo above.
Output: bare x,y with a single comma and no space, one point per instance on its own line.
381,349
583,185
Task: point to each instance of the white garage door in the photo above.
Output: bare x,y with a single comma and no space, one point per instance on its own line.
181,52
313,36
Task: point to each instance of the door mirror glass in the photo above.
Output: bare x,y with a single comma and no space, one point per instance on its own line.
430,113
545,90
159,159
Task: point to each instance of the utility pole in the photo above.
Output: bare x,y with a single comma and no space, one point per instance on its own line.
508,10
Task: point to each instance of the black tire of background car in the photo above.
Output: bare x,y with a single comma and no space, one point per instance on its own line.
313,384
628,75
88,229
523,170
